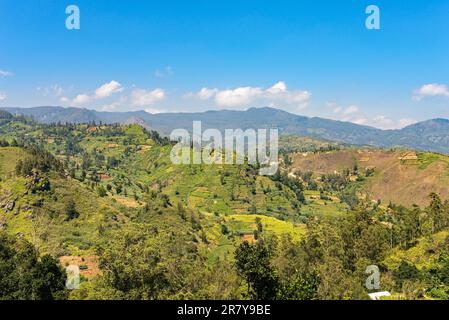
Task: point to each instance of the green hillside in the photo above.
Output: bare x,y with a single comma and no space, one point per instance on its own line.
108,199
107,180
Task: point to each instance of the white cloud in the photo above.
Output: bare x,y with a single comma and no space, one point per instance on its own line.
205,93
116,105
350,110
104,91
355,115
80,99
4,73
241,97
406,122
143,98
278,88
387,123
299,97
55,90
382,122
64,100
2,96
361,121
335,107
139,98
431,90
155,111
108,89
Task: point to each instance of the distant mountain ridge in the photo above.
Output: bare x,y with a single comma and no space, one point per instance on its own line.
430,135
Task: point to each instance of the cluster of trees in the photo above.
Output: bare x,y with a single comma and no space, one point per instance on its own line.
24,275
330,262
406,225
116,130
162,261
267,279
308,179
297,144
282,178
334,182
38,159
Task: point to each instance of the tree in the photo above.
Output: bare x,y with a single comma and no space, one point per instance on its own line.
134,267
102,191
372,243
302,286
405,271
70,210
112,162
437,213
253,262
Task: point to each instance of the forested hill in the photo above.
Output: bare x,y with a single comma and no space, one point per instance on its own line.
86,194
431,135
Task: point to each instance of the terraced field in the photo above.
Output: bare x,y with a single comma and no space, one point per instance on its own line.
400,176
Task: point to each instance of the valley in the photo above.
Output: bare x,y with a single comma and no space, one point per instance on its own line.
107,198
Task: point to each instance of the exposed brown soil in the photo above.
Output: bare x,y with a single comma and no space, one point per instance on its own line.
399,176
91,262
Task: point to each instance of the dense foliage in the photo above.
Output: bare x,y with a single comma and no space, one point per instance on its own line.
26,275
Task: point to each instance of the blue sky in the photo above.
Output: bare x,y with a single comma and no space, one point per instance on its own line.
314,58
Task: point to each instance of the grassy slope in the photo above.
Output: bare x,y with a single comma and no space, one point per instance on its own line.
217,201
422,255
46,226
8,159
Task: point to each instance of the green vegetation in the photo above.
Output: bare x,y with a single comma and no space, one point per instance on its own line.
25,275
290,143
425,159
140,227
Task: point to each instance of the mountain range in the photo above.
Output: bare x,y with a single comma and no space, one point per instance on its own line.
431,135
